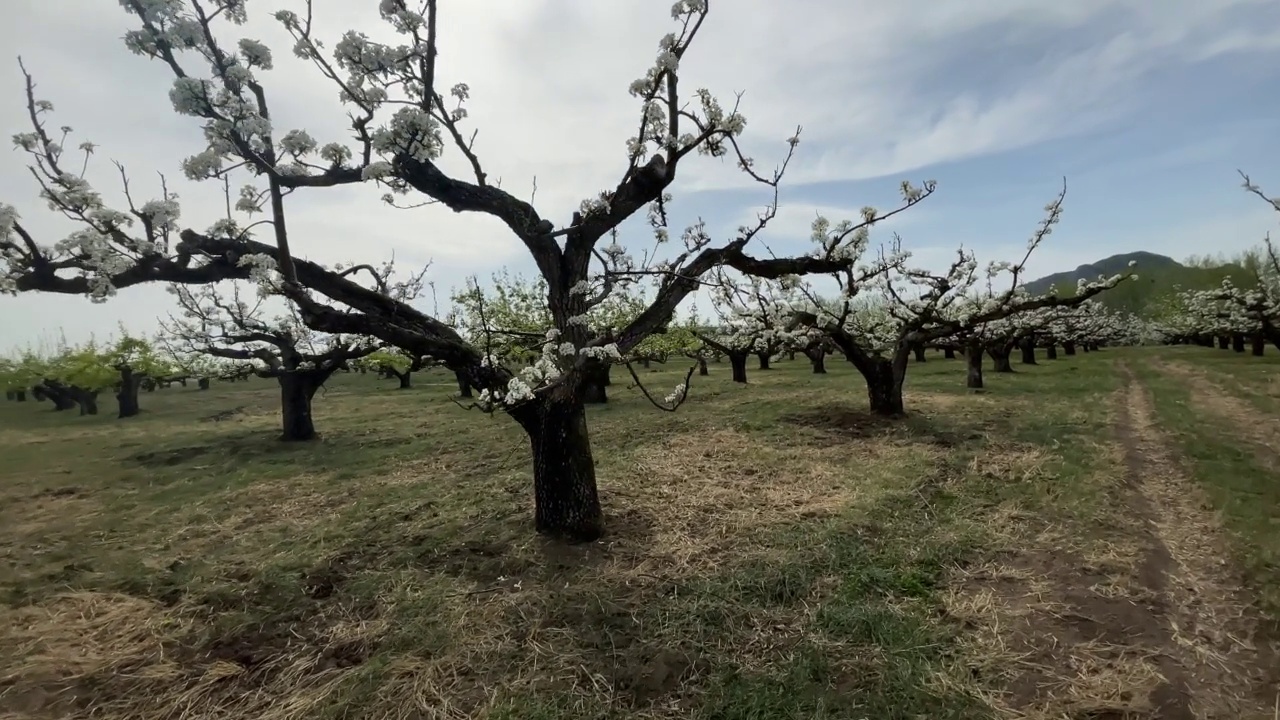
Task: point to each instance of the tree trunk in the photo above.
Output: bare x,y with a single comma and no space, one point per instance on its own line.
61,396
1069,347
595,380
127,396
818,358
203,383
973,359
764,360
1224,342
1259,344
296,391
566,503
644,363
738,363
20,395
1000,359
406,380
1051,351
1237,342
791,354
919,352
464,385
702,366
88,401
884,383
1028,349
949,353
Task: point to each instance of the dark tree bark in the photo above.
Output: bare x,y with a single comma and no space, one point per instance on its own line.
1069,347
644,362
1028,348
20,395
1224,342
885,379
1000,359
595,380
566,502
127,395
1051,351
702,366
464,385
818,358
791,354
203,383
763,357
738,364
62,396
1259,344
973,360
296,392
1237,342
949,353
919,352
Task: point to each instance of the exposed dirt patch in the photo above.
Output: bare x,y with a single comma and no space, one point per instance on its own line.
843,422
1151,626
224,415
1260,430
172,456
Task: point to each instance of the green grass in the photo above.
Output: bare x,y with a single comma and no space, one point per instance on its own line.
1253,379
773,551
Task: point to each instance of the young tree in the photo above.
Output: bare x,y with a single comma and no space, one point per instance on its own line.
919,306
301,360
404,120
392,363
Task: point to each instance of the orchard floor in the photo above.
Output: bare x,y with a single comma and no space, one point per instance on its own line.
1093,537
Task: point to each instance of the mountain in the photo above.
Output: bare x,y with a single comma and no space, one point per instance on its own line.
1158,277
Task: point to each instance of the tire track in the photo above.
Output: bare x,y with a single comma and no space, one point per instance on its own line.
1212,662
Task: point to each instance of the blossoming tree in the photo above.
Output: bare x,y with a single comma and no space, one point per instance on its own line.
225,325
404,119
918,306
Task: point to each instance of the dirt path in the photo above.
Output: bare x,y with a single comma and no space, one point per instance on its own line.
1210,665
1132,614
1260,430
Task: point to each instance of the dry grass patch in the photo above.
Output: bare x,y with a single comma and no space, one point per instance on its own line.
1262,431
91,654
711,493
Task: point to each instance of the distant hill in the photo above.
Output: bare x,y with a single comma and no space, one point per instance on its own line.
1158,275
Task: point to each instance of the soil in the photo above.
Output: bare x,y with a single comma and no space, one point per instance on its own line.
1161,631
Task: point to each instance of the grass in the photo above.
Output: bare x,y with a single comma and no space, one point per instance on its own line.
773,552
1218,416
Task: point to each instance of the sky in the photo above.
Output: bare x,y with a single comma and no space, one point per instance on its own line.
1146,109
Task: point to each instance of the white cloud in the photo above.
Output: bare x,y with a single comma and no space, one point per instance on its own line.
549,82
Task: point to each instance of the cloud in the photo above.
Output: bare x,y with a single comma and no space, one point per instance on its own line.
880,88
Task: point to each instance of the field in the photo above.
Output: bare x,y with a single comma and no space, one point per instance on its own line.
1093,537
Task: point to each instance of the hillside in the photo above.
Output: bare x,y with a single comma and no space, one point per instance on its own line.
1158,275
